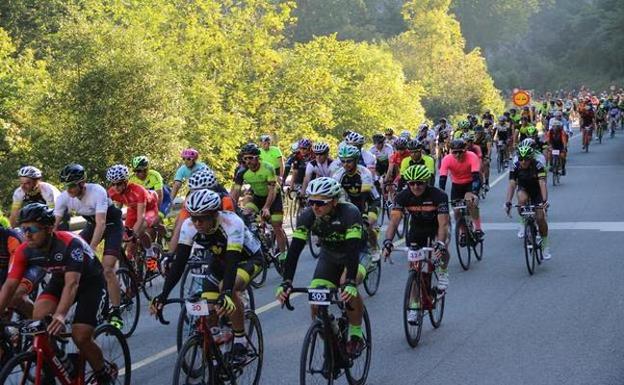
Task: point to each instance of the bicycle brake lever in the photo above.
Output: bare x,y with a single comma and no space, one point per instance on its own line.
160,317
288,305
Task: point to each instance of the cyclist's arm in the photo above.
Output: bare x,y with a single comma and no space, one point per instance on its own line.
443,225
8,291
59,210
183,252
353,245
299,238
140,209
307,177
15,208
512,184
98,232
396,214
443,173
542,183
175,188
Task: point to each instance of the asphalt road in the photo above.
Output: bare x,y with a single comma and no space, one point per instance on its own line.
501,326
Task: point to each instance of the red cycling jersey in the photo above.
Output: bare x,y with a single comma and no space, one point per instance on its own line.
461,172
133,195
397,157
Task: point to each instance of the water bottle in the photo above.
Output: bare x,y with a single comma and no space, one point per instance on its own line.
226,338
216,334
334,325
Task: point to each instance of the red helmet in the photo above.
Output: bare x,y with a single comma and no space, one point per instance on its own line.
190,153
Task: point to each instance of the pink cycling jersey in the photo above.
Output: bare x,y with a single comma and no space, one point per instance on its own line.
461,172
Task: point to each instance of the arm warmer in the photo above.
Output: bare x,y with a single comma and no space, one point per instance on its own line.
353,247
442,182
295,249
232,259
177,269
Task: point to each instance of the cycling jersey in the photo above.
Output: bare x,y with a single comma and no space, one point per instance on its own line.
502,131
153,180
458,134
132,196
557,139
528,178
314,168
43,193
184,172
357,185
461,172
397,157
476,149
383,157
587,118
9,242
424,159
423,212
259,180
272,156
367,159
94,200
483,144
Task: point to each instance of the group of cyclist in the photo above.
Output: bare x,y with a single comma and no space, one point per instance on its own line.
342,195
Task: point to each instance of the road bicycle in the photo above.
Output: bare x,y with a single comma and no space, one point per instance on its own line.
47,363
587,135
421,293
206,356
373,265
555,166
265,233
465,237
501,156
532,242
386,201
324,354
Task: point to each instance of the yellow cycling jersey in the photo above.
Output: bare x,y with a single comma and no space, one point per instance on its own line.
153,180
425,159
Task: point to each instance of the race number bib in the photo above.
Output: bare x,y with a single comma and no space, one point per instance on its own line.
197,308
319,297
416,255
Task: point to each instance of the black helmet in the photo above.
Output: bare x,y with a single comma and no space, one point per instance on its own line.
378,138
72,173
458,144
36,212
414,145
250,149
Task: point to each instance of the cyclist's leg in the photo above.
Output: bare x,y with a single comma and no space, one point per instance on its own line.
326,274
277,220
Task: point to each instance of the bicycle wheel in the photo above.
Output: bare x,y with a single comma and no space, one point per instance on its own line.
19,370
555,170
192,366
260,277
475,244
464,259
130,304
189,285
529,245
413,329
314,245
373,278
600,129
384,210
499,161
248,372
437,312
317,358
115,351
357,371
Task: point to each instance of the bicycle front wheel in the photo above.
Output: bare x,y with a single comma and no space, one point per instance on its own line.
115,351
437,311
464,258
20,370
314,245
130,305
192,366
357,371
529,248
249,371
317,358
373,277
411,303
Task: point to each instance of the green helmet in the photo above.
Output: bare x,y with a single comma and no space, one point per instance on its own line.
140,162
349,152
531,130
525,151
417,172
463,124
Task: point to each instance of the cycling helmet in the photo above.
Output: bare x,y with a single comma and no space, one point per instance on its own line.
525,151
324,186
423,127
458,144
417,172
468,137
140,162
320,148
405,134
502,119
265,138
400,143
202,179
378,138
202,202
530,142
531,130
355,139
30,172
558,114
349,152
304,143
442,120
250,149
190,153
557,123
294,147
38,213
389,131
72,173
513,110
463,124
414,145
117,173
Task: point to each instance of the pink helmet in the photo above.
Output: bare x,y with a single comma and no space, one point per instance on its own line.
190,153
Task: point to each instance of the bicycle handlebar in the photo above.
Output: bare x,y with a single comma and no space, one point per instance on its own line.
159,314
333,297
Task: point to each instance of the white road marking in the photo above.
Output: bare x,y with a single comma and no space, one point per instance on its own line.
597,226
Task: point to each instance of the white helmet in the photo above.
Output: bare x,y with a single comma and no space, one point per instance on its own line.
30,172
324,186
117,173
202,201
201,179
355,139
320,148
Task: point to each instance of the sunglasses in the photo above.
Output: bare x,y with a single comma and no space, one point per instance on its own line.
123,182
457,152
188,159
416,183
251,157
200,218
523,159
140,170
345,161
32,229
318,202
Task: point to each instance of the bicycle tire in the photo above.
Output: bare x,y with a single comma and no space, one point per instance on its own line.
374,271
368,343
437,313
314,334
254,331
412,332
384,209
314,249
23,360
465,264
124,370
555,170
259,278
499,162
182,367
528,248
130,306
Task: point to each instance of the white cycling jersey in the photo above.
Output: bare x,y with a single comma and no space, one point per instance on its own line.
94,200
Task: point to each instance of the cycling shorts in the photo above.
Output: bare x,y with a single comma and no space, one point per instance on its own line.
151,217
535,195
276,209
246,270
91,298
458,191
113,232
329,270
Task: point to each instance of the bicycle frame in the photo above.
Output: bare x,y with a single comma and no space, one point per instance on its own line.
424,268
45,354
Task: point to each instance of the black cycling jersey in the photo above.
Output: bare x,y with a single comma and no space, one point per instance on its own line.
423,211
528,178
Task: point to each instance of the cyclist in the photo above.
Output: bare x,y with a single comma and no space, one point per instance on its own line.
443,131
367,159
382,152
528,176
338,225
463,127
206,179
394,169
221,238
103,219
465,170
415,148
273,155
557,139
428,211
469,139
427,137
390,137
147,177
321,166
357,182
299,162
76,278
483,140
487,115
142,209
587,119
267,197
32,189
